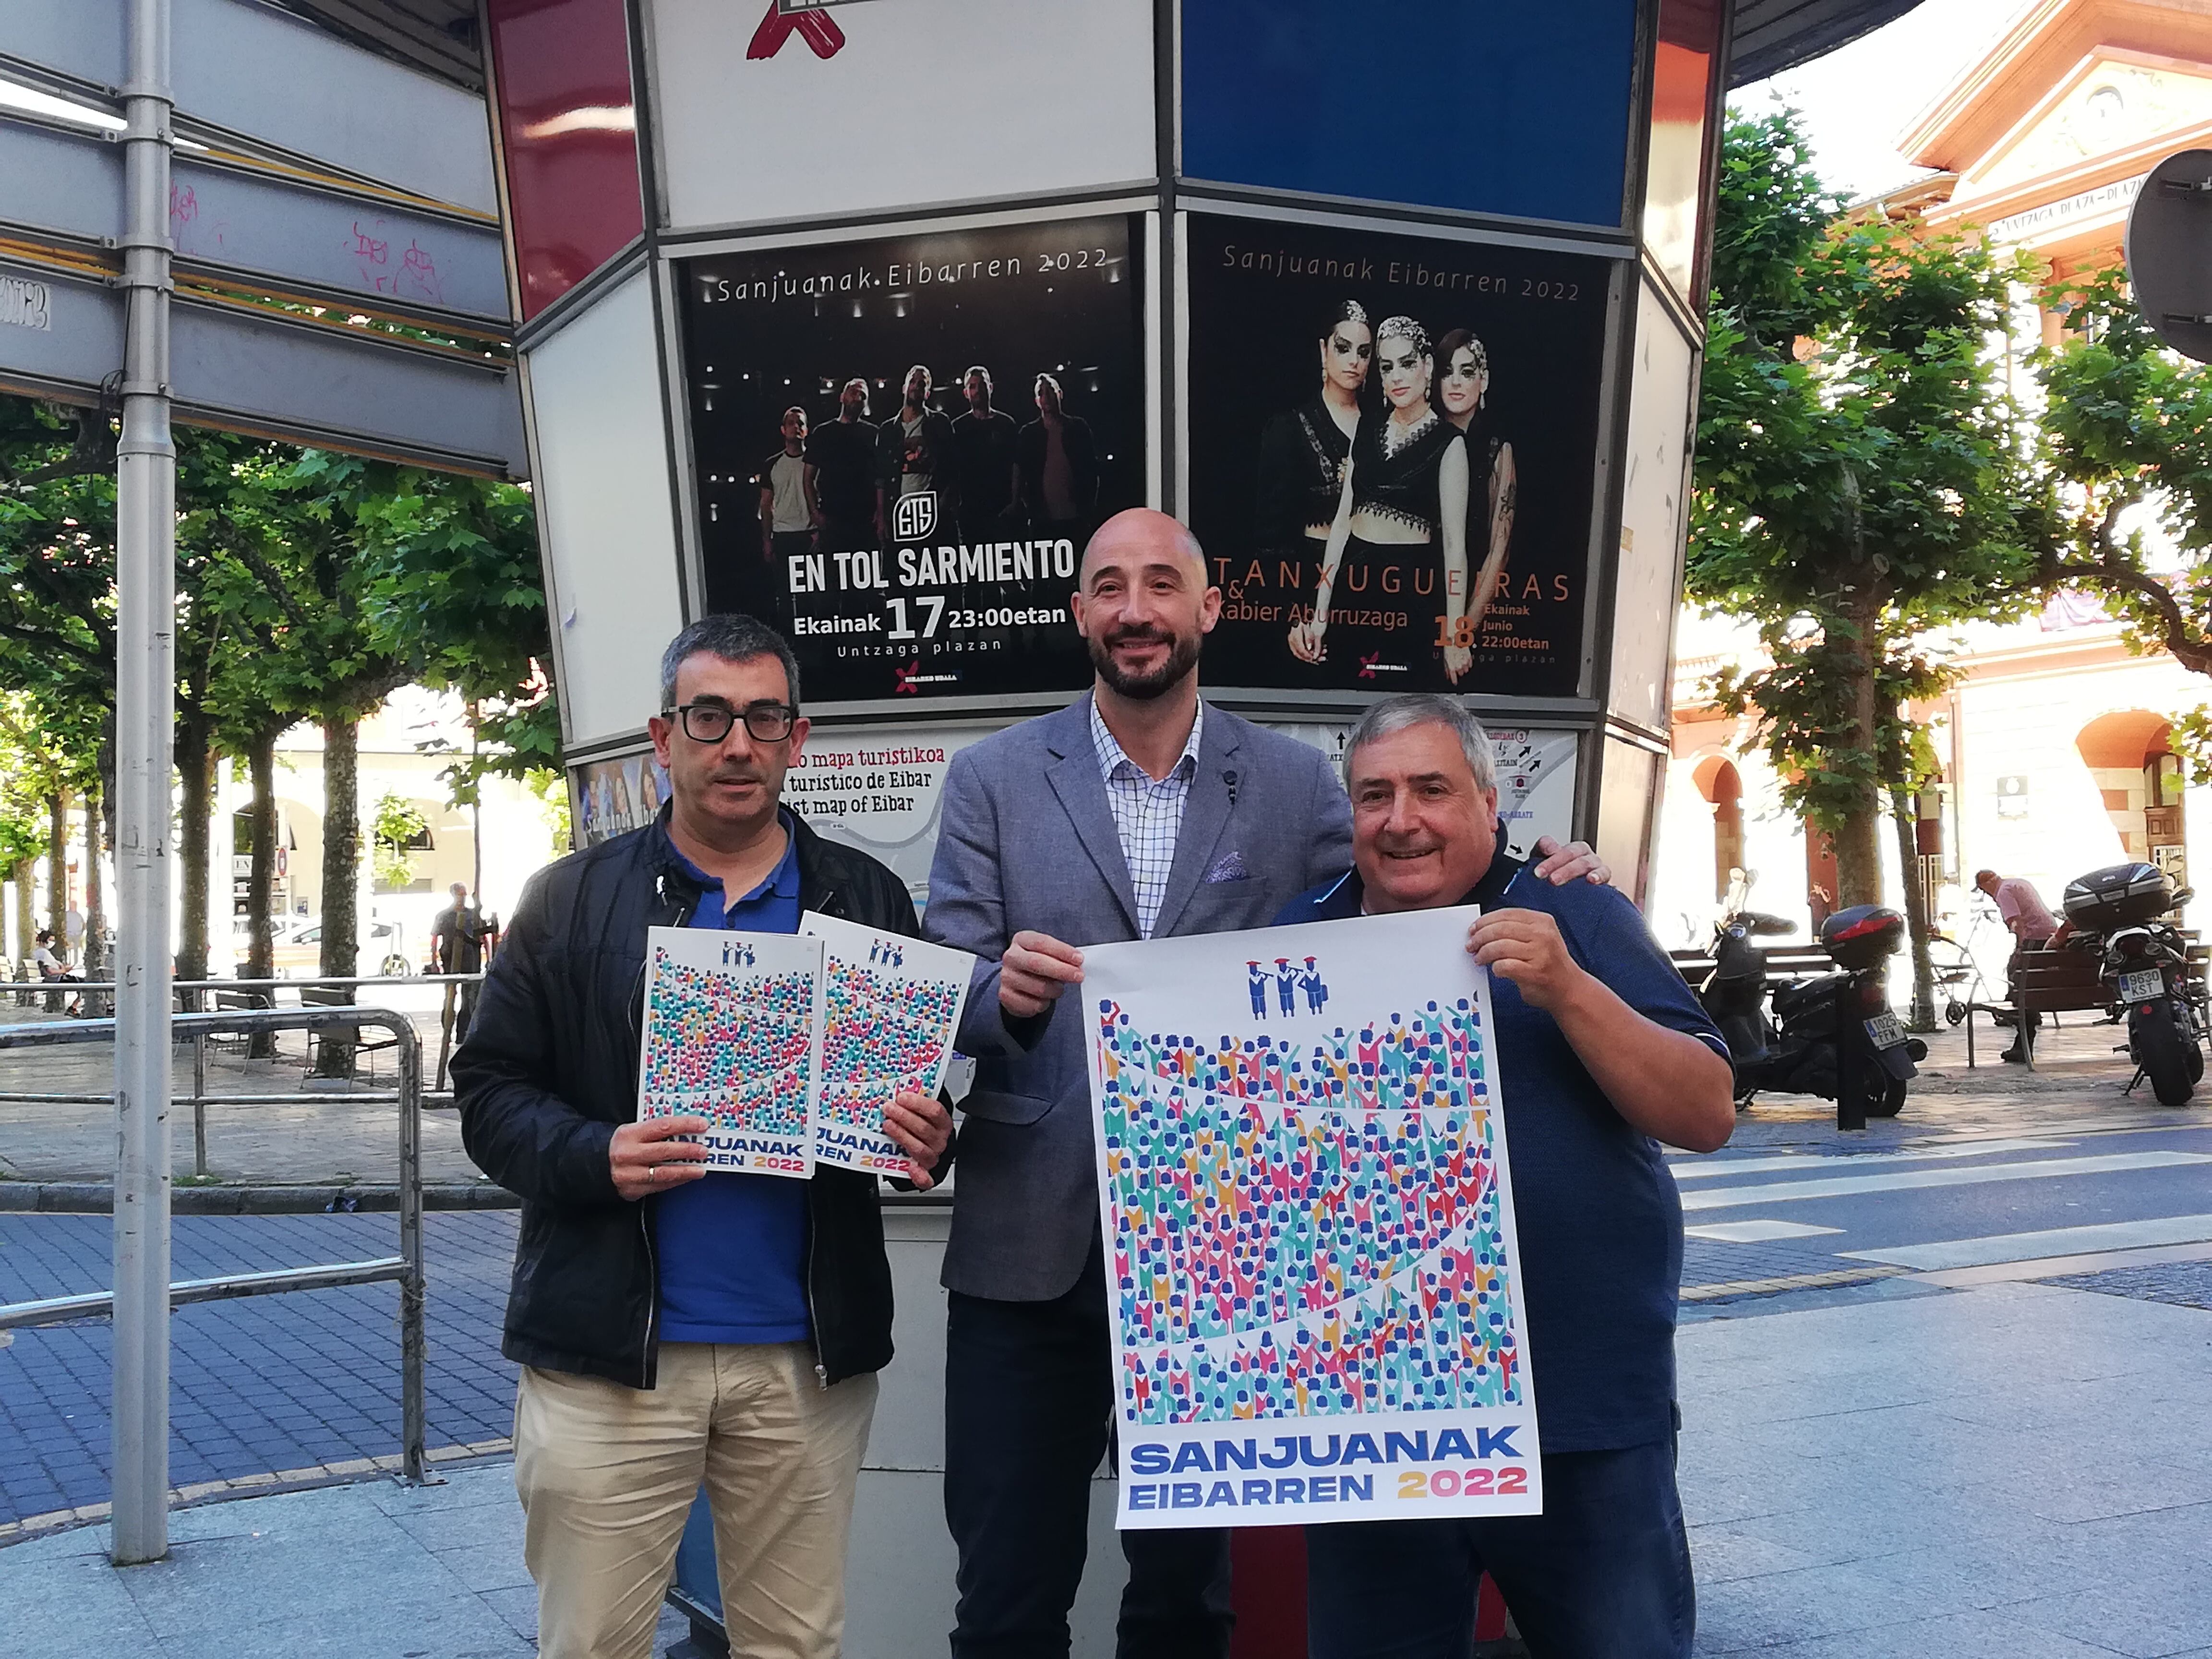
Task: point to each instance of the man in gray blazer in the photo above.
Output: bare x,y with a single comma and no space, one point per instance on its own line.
1137,812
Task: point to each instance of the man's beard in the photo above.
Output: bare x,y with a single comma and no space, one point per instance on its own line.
1182,657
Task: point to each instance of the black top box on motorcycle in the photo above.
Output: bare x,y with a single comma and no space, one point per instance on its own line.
2121,896
1864,936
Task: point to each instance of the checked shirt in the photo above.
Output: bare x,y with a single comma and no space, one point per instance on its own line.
1147,816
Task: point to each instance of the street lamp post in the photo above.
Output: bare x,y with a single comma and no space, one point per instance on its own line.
145,581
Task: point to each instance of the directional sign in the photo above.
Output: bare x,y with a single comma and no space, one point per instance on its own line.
254,370
242,67
2169,251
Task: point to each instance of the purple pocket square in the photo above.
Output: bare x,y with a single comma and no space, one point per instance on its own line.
1228,867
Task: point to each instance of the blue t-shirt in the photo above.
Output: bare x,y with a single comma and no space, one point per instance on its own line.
1599,1219
733,1247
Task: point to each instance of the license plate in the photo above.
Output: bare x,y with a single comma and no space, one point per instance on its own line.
1884,1031
2142,986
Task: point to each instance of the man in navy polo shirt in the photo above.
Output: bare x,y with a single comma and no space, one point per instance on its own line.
1603,1054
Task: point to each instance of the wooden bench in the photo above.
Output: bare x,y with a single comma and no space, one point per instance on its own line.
1785,964
340,996
2054,982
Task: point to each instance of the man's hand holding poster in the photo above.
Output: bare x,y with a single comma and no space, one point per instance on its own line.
1308,1217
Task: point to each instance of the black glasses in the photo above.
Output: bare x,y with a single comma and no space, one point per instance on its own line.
710,722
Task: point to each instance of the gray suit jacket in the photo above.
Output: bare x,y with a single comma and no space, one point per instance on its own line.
1027,841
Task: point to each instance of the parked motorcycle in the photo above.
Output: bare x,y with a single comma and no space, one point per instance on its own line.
1735,993
1833,1035
2124,913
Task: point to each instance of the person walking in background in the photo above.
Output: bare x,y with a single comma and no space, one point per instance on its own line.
676,1327
2033,928
459,940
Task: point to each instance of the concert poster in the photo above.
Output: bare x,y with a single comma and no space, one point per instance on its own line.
969,406
1465,376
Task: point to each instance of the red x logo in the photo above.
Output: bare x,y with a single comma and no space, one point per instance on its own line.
1367,664
903,679
817,28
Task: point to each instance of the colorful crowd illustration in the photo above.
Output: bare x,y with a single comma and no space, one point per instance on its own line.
1307,1227
735,1045
880,1033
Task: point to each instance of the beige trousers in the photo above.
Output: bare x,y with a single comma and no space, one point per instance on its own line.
607,1474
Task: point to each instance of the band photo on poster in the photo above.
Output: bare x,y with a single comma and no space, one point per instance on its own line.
1392,452
902,446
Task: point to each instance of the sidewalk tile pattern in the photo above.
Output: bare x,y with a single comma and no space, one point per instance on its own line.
258,1385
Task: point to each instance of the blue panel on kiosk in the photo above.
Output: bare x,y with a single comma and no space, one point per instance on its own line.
1479,106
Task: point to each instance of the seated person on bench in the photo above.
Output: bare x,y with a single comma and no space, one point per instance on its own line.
52,968
2033,928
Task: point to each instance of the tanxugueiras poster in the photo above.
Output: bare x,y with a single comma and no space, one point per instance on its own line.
733,1034
1309,1223
890,1006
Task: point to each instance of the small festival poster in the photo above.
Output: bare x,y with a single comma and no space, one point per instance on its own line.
890,1007
733,1034
1309,1214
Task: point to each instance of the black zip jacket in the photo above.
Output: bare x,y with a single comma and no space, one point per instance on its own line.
550,1069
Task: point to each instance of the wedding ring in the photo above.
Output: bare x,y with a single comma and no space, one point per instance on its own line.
653,1172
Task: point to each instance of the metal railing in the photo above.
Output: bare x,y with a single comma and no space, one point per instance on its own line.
404,1269
191,990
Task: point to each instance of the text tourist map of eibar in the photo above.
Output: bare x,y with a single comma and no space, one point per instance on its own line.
1308,1219
971,405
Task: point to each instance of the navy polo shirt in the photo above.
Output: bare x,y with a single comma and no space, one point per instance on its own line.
732,1247
1599,1219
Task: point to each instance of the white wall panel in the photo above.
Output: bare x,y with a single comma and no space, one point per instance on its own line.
1653,516
925,101
603,511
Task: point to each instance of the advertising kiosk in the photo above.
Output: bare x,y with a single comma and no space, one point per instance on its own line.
1011,265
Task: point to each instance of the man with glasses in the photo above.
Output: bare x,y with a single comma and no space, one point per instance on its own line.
675,1326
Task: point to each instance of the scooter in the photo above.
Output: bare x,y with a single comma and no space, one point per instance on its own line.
1735,993
1837,1037
2122,913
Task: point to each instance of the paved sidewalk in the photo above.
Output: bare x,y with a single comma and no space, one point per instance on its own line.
2013,1472
368,1570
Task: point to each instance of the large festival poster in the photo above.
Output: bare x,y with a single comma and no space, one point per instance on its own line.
733,1034
1406,428
890,1008
1307,1215
902,444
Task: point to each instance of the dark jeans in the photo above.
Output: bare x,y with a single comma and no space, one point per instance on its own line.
1028,1402
1603,1573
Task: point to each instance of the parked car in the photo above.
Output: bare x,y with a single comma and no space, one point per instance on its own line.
298,952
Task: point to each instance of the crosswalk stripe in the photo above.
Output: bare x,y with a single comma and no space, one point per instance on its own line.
1699,1169
1788,1282
1790,1192
2056,1241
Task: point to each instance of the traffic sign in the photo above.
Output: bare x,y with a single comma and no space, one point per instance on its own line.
2169,251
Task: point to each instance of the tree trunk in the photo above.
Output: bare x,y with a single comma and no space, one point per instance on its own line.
195,772
57,866
26,908
1858,837
95,965
1922,1017
261,876
334,1054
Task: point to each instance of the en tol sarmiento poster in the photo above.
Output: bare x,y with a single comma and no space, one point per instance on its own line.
733,1034
890,1007
1307,1214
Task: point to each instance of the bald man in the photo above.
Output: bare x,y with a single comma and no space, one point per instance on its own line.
1138,813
